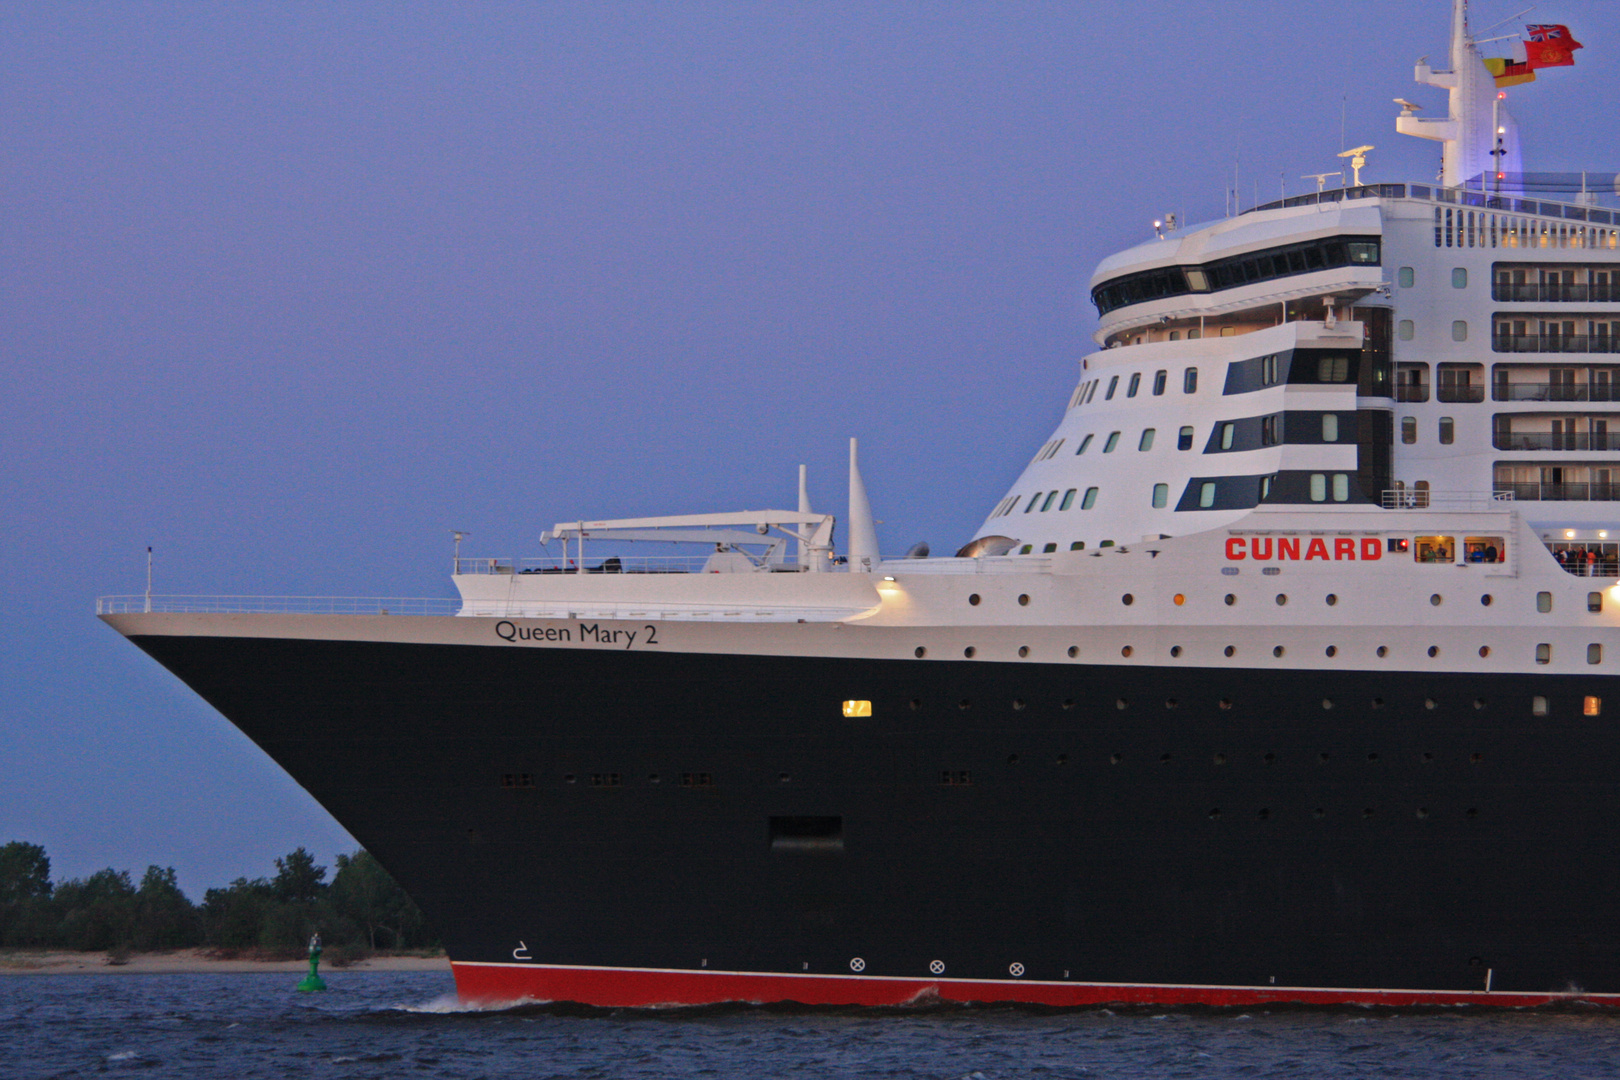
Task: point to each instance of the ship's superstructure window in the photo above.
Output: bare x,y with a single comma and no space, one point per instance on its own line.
1405,330
1408,430
1206,494
1333,369
1113,384
1033,499
1434,549
1268,430
1090,499
1330,427
1484,549
1268,370
1459,277
1135,384
1538,706
1184,439
1594,602
1256,266
1594,655
1085,442
1405,277
1321,483
1459,330
1161,495
857,708
1448,430
1189,380
1146,442
1228,433
1544,653
1113,441
1544,602
1047,505
1068,499
1159,379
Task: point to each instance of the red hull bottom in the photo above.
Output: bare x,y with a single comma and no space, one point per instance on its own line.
497,984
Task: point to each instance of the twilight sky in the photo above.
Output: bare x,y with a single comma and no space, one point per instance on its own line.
290,291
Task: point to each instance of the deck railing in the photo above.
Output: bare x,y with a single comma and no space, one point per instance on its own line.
279,605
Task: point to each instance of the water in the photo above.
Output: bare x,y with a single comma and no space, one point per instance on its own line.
378,1024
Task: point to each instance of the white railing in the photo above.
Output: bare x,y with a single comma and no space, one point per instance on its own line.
1410,499
279,605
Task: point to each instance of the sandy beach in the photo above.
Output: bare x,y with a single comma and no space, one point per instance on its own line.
180,961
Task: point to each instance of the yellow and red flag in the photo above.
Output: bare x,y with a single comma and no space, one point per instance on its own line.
1509,72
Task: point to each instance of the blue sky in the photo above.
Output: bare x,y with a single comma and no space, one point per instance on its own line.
290,291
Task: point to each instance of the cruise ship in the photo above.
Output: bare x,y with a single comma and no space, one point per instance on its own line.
1284,671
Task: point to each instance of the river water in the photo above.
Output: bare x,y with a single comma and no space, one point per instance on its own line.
384,1024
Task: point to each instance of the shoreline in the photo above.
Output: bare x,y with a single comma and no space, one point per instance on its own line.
191,962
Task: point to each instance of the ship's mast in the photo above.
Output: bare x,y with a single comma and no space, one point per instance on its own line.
1469,134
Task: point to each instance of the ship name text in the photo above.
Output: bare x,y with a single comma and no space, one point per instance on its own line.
595,632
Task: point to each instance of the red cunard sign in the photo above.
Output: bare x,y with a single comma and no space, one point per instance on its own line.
1298,549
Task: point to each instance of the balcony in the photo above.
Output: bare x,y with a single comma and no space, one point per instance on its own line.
1555,343
1532,491
1411,393
1556,292
1555,440
1460,393
1540,391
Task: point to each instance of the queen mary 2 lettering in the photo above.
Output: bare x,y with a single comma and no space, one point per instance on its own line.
1303,549
1281,672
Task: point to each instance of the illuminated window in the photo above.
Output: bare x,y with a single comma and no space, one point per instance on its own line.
1592,706
857,708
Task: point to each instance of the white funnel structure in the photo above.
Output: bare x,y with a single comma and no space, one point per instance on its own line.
863,542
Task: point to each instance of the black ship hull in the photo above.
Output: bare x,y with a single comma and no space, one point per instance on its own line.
639,827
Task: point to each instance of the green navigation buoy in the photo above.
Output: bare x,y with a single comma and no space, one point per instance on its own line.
313,980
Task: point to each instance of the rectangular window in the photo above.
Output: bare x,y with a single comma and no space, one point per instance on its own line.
1538,706
1206,494
857,708
1448,430
811,833
1189,380
1184,440
1090,499
1594,655
1408,430
1318,487
1434,549
1228,433
1161,495
1459,330
1268,430
1136,384
1113,384
1333,369
1159,378
1544,602
1085,442
1594,602
1405,330
1068,500
1113,441
1544,653
1146,442
1047,505
1459,278
1330,427
1592,706
1341,487
1405,277
1033,499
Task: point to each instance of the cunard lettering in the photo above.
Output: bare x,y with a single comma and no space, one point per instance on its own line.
1287,549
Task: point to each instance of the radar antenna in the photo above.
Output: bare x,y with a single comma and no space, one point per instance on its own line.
1321,179
1358,158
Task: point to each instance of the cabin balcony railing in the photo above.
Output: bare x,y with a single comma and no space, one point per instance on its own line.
1555,343
1459,393
1540,391
1532,491
1411,393
1555,292
1425,499
1548,440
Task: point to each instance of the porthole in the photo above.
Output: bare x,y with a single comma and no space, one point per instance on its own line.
1126,651
1479,703
1023,650
1127,599
1434,651
1018,704
1068,703
1327,703
1434,600
1282,598
969,652
1220,759
1230,599
1023,599
1230,650
1178,599
1383,650
965,704
1175,650
1485,601
973,599
1277,651
1121,703
1225,703
1332,598
1171,703
1484,651
1430,704
919,652
916,703
1074,651
1332,650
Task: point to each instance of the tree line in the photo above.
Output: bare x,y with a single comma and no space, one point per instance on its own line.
360,910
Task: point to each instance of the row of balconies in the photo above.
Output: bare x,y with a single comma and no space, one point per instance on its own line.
1556,292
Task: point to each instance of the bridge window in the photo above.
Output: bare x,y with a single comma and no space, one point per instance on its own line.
1068,499
1113,441
1113,384
1136,383
1085,442
1090,499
